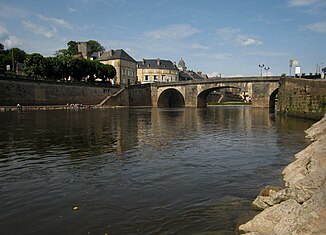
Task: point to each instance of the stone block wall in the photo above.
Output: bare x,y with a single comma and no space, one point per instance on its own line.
140,95
31,92
302,97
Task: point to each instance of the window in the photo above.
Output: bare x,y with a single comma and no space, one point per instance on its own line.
146,78
169,71
123,72
155,77
162,78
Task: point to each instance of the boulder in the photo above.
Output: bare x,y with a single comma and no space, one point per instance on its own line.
299,207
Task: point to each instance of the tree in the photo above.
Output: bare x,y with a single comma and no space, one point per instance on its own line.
61,53
35,65
111,71
91,69
1,47
19,55
5,59
54,68
10,56
70,51
78,69
72,48
95,46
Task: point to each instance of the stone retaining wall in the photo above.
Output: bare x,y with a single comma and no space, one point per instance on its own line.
302,97
15,91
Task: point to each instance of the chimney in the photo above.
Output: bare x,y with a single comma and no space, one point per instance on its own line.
144,61
158,62
111,52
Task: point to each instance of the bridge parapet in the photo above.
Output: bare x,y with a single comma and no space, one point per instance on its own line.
193,93
220,80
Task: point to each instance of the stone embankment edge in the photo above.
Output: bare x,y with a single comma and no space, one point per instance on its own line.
55,107
300,206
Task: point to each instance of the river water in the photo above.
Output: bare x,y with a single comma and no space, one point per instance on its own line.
139,171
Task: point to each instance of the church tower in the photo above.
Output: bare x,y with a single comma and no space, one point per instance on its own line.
182,65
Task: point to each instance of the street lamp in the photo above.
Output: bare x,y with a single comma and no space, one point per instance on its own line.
266,69
261,66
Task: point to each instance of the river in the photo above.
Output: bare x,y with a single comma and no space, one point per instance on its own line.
140,170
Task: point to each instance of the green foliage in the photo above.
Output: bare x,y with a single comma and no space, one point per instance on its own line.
54,68
35,65
4,60
7,56
72,48
95,46
104,71
111,71
61,52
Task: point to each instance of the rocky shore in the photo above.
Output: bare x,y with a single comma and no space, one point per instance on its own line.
300,206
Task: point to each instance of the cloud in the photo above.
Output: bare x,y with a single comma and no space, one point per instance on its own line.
317,27
3,31
222,56
198,46
7,39
214,74
236,36
246,41
71,10
12,41
227,33
39,29
172,32
6,11
300,3
55,21
270,54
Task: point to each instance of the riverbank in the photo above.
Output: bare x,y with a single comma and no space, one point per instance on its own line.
300,206
55,107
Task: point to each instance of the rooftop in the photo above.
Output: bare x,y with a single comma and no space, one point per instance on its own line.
115,55
156,64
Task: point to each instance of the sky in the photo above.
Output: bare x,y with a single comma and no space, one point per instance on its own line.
217,37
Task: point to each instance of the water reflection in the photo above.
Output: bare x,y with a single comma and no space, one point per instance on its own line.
139,171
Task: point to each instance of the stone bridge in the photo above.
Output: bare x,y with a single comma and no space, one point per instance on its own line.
262,90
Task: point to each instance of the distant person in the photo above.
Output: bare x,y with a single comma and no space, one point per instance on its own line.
19,107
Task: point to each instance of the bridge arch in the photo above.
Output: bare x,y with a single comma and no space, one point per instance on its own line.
202,96
273,100
170,98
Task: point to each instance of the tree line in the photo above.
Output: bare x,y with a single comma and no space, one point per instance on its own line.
66,64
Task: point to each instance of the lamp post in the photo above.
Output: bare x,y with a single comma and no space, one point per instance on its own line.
261,66
266,70
12,59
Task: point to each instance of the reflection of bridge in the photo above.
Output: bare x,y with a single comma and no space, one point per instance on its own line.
194,93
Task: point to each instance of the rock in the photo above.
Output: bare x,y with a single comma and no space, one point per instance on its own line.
265,222
316,130
300,207
260,203
310,219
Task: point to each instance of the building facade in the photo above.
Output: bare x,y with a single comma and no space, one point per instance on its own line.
124,64
157,70
185,75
